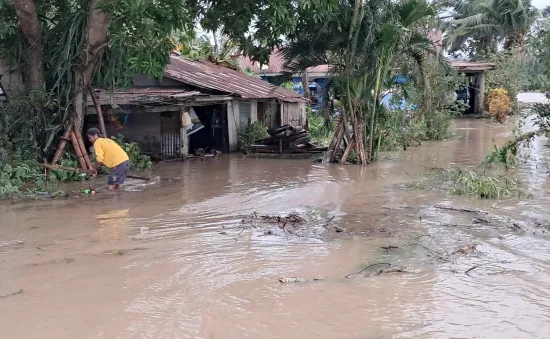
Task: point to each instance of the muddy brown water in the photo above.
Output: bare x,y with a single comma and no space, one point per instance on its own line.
173,260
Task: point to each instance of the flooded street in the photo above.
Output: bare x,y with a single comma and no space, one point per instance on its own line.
177,259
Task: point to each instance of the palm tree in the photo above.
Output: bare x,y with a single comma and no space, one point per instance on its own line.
361,40
485,23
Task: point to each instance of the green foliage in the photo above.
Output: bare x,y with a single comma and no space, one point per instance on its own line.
437,124
501,157
509,73
22,123
478,26
468,182
138,160
288,85
363,40
249,134
320,130
539,75
398,130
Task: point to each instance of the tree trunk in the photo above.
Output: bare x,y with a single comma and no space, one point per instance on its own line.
305,84
34,58
426,98
359,138
92,51
216,47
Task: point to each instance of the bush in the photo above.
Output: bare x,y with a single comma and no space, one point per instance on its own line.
498,104
247,135
438,123
138,160
320,130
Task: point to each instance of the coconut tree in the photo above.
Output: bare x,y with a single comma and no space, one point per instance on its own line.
361,40
485,23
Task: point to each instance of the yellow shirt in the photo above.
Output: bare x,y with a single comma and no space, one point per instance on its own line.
109,153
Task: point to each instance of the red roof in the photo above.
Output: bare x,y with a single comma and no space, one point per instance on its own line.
204,74
276,65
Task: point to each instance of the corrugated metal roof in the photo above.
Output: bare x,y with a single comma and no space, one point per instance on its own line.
142,96
208,75
472,65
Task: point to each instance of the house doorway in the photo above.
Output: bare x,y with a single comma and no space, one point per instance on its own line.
214,135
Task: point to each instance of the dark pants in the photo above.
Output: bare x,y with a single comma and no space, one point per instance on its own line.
118,174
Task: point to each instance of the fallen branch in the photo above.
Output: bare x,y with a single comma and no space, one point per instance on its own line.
456,209
12,294
366,268
388,270
292,280
388,248
429,236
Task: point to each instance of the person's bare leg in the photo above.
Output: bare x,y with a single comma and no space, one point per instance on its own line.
111,187
118,186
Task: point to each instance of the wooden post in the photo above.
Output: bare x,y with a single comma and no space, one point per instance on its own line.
78,152
61,147
347,151
99,112
280,146
82,147
481,93
65,168
305,84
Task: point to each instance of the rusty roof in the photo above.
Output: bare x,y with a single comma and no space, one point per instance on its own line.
472,66
142,96
204,74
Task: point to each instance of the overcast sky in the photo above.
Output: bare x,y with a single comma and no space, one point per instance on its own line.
541,3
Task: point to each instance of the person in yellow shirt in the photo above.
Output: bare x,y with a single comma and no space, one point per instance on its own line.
110,154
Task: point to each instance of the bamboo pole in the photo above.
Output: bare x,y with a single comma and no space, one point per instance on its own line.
82,147
99,112
347,151
65,168
61,147
80,170
340,133
78,152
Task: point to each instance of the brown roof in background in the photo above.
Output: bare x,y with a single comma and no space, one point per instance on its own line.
142,96
276,65
472,66
208,75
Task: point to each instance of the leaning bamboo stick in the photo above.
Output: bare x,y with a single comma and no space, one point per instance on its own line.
78,152
80,170
99,112
65,168
61,148
82,147
347,151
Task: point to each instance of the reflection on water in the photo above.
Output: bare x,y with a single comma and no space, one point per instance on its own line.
174,261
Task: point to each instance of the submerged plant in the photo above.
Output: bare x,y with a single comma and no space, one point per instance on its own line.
249,134
469,182
138,160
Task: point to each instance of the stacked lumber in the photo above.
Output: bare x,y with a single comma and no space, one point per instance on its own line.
285,139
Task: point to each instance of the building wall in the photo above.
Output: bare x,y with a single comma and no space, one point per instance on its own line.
143,128
233,118
141,80
293,113
12,80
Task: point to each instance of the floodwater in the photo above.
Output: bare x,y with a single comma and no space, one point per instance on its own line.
176,260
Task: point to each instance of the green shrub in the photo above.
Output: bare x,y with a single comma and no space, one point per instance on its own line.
247,135
138,160
320,131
